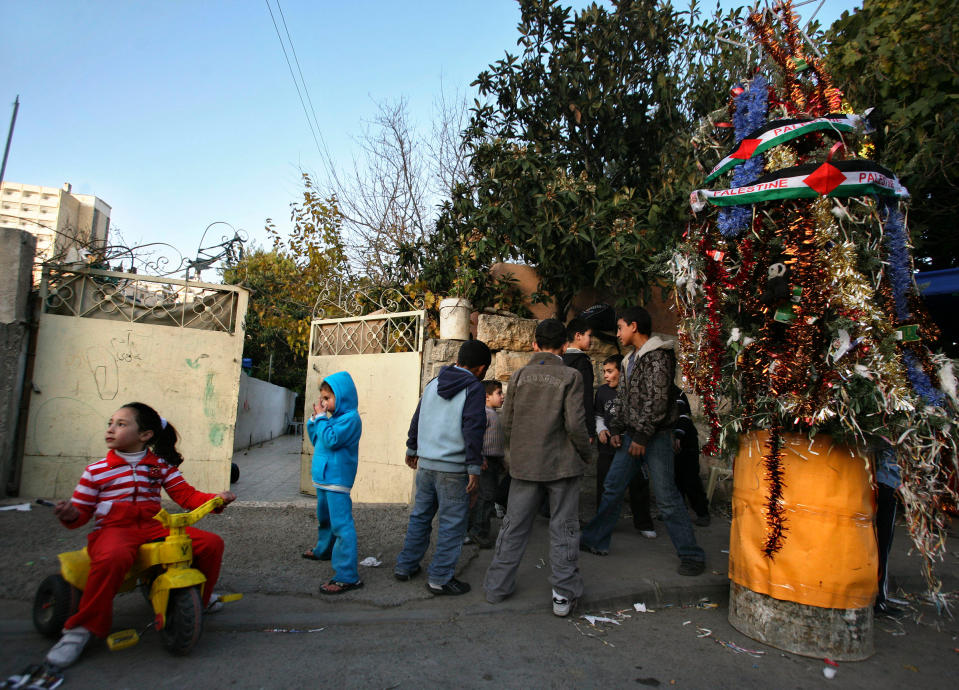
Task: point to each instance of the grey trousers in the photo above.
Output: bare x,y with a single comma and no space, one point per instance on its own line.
524,502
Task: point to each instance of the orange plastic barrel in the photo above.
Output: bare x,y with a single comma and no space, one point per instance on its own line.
825,575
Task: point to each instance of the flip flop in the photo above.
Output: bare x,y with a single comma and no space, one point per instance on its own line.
340,587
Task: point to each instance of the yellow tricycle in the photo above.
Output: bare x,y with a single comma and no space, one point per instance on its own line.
163,569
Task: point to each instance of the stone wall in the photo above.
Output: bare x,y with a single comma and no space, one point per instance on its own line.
17,249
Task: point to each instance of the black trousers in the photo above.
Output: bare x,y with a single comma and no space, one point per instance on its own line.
885,527
688,481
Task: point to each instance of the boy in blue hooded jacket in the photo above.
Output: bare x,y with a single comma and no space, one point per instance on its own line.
334,430
445,447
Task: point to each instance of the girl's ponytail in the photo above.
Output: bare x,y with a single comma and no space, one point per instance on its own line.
164,438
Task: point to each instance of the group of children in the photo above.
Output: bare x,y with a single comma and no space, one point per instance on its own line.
467,459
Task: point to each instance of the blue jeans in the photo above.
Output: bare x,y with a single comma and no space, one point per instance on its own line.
442,494
336,534
659,462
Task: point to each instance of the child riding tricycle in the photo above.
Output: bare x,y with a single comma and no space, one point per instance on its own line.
134,541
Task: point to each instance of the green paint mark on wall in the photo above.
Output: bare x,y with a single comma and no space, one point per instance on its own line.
218,433
192,363
209,397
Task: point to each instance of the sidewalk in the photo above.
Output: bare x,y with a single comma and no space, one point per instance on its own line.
638,570
270,474
272,523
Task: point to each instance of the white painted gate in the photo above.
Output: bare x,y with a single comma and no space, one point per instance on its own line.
382,351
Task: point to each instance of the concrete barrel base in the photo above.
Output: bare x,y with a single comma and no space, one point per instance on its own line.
838,634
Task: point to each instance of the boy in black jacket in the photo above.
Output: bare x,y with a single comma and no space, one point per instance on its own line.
578,340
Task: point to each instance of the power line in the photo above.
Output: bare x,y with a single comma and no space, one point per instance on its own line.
295,83
306,89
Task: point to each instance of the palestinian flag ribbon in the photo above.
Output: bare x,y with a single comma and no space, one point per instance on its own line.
839,179
779,132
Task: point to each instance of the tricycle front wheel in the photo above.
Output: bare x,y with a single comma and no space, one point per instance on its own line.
184,621
56,600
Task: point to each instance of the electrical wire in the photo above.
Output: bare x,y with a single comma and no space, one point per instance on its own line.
295,83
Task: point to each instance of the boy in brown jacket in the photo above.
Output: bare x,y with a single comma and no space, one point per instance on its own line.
549,451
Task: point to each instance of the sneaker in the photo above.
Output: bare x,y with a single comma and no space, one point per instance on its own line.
648,533
500,510
406,577
483,542
690,568
452,588
215,605
468,539
592,549
562,606
702,520
69,648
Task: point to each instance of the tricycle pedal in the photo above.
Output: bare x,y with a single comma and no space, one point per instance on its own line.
122,639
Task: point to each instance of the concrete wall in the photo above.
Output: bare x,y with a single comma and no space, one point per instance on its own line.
388,391
87,368
264,411
16,263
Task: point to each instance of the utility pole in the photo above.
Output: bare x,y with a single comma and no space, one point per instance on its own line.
6,150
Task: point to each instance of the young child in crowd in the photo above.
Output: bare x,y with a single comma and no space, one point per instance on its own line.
578,340
122,493
548,450
445,447
686,449
639,486
481,513
334,430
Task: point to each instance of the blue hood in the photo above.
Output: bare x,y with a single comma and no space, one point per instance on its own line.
345,391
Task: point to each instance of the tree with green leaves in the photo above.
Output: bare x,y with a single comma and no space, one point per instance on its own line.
286,282
579,158
901,57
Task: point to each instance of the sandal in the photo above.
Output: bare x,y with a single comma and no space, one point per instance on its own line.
334,587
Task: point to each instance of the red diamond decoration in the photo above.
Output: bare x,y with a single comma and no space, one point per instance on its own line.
825,178
746,148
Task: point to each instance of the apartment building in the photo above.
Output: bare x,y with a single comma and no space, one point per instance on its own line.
60,219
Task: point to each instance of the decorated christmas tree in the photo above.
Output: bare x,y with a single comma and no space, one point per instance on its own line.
800,313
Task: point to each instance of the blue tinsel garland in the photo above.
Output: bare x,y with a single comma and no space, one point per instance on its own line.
751,106
900,278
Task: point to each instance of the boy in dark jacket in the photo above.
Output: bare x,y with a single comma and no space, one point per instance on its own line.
547,449
642,429
578,340
639,487
445,447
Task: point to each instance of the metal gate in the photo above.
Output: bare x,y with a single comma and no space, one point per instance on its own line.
378,338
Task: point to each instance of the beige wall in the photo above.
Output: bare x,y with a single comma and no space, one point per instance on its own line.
388,389
87,368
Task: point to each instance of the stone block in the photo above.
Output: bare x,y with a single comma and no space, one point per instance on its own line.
505,332
506,362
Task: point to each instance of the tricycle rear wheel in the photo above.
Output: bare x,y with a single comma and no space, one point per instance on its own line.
55,601
184,621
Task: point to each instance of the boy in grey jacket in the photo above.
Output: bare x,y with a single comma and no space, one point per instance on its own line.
549,451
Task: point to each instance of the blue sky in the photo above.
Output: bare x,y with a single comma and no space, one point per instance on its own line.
181,113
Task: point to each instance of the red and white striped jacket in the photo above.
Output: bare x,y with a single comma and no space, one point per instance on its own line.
119,494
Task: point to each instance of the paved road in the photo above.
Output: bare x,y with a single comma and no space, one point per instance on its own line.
492,648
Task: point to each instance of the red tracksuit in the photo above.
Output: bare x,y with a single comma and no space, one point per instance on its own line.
123,498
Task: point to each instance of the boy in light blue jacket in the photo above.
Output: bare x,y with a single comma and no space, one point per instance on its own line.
334,430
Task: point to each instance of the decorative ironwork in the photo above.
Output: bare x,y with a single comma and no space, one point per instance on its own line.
92,293
370,334
341,301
